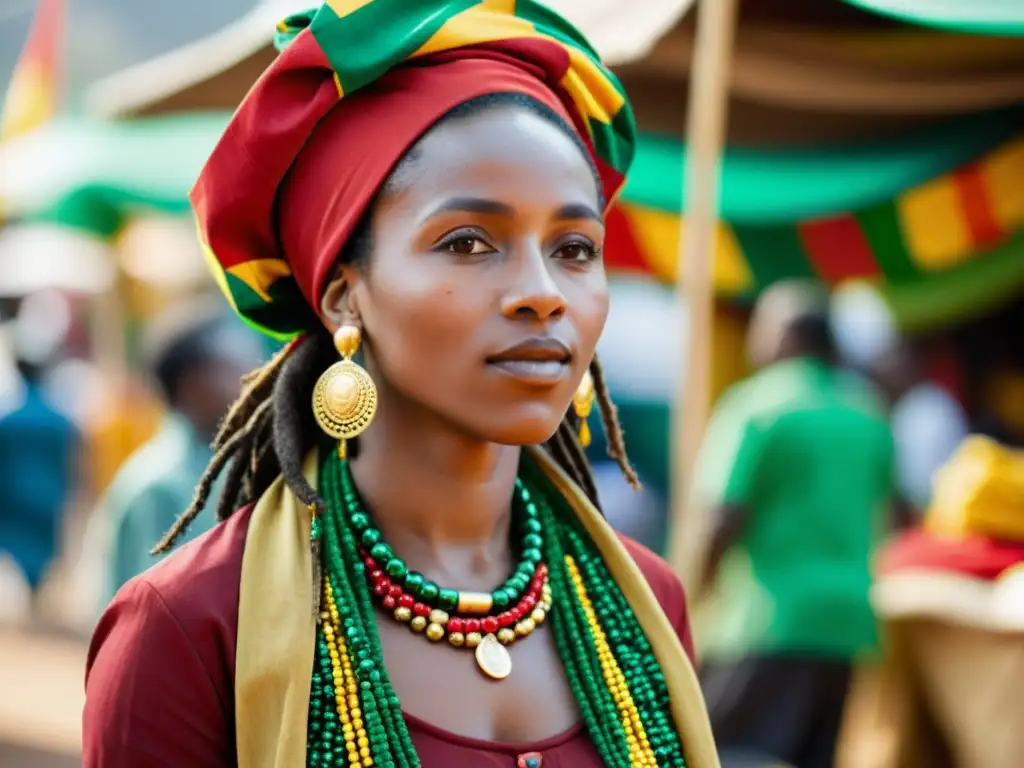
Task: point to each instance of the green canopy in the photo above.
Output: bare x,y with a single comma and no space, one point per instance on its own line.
93,175
1004,18
768,186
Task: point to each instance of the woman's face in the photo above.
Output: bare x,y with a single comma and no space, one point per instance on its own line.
485,293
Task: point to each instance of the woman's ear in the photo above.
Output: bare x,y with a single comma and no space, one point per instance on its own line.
337,307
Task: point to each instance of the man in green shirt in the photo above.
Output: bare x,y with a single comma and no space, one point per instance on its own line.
796,471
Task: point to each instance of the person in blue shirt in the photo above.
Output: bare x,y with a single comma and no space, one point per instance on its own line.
39,444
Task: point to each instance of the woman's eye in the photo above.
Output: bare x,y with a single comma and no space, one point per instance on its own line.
467,246
578,252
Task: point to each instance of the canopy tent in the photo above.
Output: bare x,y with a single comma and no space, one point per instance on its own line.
229,60
800,73
62,260
899,213
93,174
982,17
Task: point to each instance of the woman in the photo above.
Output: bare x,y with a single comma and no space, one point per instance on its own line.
447,212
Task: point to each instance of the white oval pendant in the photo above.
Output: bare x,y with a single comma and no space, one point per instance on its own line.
493,658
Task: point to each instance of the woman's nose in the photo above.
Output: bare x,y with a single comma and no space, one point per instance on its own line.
534,291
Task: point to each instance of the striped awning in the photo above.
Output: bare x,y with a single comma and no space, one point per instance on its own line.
925,229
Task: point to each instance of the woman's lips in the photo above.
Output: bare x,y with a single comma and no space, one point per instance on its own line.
541,360
537,372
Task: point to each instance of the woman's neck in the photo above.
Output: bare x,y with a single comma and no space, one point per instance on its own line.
441,498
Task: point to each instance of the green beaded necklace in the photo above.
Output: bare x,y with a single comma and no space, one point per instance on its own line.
355,718
427,592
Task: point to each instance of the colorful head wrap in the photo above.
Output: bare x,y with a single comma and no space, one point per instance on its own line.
356,84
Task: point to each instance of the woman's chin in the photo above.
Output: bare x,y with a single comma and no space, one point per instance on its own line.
531,426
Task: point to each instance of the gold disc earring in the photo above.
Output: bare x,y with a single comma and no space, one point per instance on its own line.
583,404
345,397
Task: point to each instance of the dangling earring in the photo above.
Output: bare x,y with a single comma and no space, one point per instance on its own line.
583,404
345,397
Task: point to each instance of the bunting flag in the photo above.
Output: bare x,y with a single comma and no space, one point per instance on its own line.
33,93
924,230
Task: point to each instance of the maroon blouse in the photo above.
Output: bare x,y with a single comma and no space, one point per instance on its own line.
160,674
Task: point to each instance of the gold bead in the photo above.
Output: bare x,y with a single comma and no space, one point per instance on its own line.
538,615
506,636
347,339
476,603
418,623
583,399
435,632
525,627
403,614
473,639
437,616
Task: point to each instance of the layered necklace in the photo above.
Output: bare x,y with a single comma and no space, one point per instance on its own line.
485,622
355,717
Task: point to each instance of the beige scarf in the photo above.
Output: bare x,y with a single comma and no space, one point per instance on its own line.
277,634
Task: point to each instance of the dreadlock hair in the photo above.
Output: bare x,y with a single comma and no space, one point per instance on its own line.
270,429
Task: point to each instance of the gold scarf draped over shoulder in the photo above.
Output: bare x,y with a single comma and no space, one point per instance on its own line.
277,632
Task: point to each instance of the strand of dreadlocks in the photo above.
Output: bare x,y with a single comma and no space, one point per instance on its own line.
255,388
561,447
213,470
292,395
263,469
612,427
263,444
237,472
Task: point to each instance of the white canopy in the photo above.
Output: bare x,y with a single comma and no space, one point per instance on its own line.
621,32
34,257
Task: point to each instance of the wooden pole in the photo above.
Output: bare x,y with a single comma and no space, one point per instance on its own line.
709,90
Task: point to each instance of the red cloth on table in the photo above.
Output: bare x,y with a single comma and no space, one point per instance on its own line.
978,557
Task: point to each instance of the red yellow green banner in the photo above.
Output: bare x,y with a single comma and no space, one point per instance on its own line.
930,227
33,93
